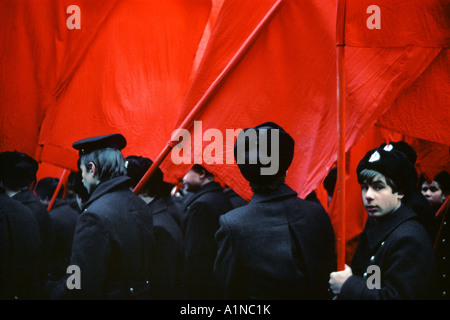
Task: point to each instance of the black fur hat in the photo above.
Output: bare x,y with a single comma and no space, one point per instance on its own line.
393,164
403,147
137,166
247,152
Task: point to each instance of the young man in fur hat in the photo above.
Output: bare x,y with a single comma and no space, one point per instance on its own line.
278,246
394,258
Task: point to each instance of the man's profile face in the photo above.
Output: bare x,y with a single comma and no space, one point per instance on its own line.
379,198
192,181
88,178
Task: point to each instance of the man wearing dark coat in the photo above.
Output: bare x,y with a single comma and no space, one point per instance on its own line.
20,251
169,254
415,199
18,176
394,258
278,246
203,210
63,220
113,244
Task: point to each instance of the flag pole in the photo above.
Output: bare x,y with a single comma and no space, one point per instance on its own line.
62,180
340,65
201,104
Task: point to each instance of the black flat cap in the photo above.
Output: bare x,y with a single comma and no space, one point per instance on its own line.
17,169
115,141
393,164
246,149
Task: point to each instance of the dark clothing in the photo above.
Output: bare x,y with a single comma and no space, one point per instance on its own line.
425,215
112,245
399,245
169,255
277,247
235,199
63,220
203,210
20,247
40,213
442,254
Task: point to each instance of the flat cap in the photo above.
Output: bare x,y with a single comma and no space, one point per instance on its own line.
393,164
115,141
17,169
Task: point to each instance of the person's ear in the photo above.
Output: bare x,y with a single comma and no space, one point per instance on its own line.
202,175
93,168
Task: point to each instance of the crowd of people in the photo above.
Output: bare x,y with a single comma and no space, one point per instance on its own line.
101,240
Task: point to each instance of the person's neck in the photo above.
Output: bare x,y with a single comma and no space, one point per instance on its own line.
11,193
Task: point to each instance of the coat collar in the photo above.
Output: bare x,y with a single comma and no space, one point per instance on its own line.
26,197
378,230
158,205
206,188
283,191
105,187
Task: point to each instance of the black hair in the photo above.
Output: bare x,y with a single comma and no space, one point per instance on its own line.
109,163
200,170
45,188
443,179
367,176
268,187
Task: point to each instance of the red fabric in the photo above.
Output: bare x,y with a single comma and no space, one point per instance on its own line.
139,67
421,23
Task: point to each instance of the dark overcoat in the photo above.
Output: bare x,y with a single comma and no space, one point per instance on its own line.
276,247
169,255
63,220
203,210
112,245
19,251
442,255
40,213
400,252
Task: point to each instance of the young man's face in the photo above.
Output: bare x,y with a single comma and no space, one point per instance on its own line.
378,197
433,193
88,178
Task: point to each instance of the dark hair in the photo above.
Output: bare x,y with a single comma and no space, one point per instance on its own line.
109,162
368,175
200,170
45,188
443,179
78,187
268,187
17,170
